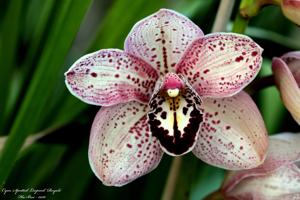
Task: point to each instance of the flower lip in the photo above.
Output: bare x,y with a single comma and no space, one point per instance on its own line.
175,115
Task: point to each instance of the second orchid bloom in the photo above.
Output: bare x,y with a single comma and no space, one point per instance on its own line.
170,91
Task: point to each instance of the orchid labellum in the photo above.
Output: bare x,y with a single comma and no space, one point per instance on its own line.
278,178
170,90
286,71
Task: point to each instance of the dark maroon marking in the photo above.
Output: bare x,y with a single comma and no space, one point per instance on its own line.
93,74
184,110
238,59
206,71
163,115
71,73
254,53
177,144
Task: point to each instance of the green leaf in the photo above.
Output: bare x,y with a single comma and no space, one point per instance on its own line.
269,102
37,27
40,158
8,49
73,177
67,22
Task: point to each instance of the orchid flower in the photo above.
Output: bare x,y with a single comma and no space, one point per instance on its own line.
278,178
286,71
166,93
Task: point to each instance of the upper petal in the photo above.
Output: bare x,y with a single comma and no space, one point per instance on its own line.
221,64
161,39
292,59
282,184
287,84
108,77
232,135
283,150
121,147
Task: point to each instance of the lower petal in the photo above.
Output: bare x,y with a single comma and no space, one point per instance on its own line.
121,147
283,150
232,135
282,184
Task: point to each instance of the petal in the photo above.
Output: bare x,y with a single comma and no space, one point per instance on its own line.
233,135
108,77
283,149
282,184
175,115
162,38
292,59
291,10
221,64
289,89
121,147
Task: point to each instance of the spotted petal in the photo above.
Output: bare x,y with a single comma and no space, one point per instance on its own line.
283,150
121,147
287,78
162,38
109,77
175,115
221,64
282,184
232,134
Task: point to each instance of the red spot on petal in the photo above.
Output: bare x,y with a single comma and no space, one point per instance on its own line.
206,71
238,59
93,74
254,53
129,145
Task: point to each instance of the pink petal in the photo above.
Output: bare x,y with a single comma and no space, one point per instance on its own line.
292,59
291,8
175,119
221,64
282,184
283,150
289,89
121,147
161,39
108,77
232,135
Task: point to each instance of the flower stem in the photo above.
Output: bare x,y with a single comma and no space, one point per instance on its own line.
240,24
171,181
223,15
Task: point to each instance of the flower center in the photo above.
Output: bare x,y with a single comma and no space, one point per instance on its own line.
175,115
173,92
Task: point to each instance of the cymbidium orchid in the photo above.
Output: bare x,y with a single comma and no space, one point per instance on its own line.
165,92
278,178
286,71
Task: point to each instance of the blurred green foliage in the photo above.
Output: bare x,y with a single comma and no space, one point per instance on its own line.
39,40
